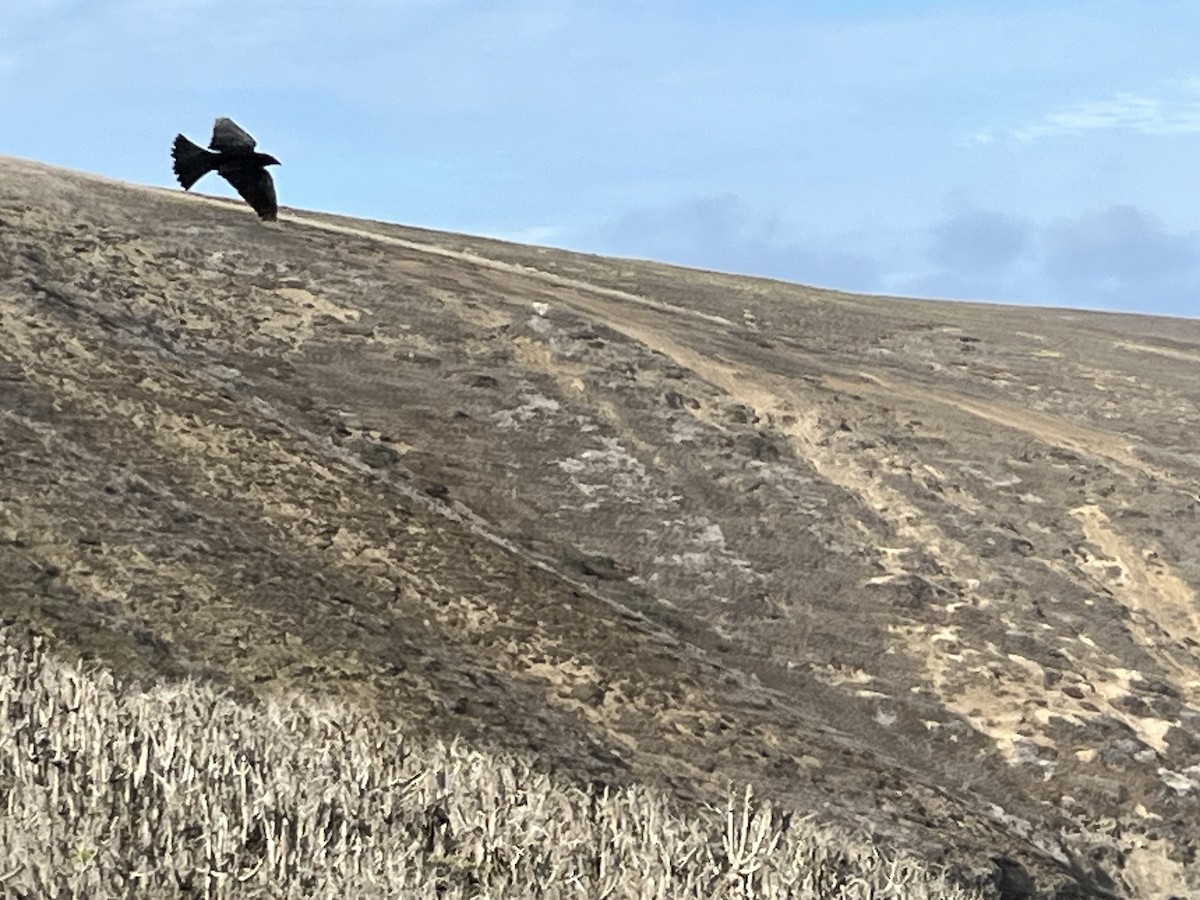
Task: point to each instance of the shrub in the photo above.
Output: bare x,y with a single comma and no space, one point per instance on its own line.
178,790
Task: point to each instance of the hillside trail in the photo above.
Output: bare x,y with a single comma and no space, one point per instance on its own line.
1160,594
744,381
644,320
512,268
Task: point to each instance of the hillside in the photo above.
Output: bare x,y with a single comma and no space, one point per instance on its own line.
929,570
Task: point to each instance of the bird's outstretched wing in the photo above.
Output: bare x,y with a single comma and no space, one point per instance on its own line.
229,138
256,187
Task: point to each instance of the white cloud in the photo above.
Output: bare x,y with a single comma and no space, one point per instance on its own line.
981,137
1175,109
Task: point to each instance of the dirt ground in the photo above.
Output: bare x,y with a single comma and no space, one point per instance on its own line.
928,569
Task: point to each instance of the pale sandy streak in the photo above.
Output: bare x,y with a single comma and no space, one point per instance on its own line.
511,268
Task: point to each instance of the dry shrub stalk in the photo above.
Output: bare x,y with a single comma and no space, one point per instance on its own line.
177,790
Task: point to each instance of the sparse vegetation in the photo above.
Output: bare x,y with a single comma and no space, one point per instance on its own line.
112,791
590,510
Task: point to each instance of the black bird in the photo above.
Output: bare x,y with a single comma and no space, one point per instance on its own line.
234,160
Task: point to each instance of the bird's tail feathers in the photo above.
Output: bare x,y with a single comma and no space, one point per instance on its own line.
191,161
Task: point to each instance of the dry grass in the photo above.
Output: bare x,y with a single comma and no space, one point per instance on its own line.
178,790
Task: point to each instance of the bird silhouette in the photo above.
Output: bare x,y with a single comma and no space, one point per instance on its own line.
231,154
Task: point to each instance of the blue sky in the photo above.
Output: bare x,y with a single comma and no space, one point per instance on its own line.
1013,151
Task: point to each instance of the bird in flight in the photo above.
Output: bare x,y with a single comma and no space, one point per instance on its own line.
231,154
